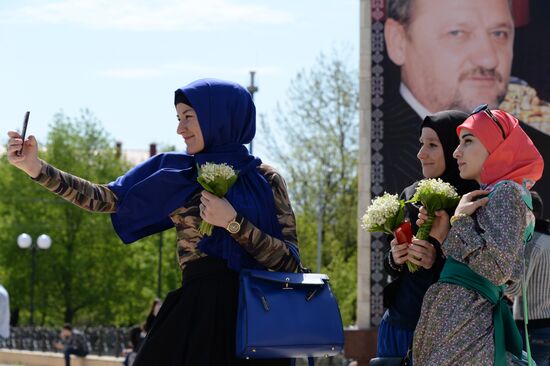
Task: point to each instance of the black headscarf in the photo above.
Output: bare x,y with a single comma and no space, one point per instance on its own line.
444,124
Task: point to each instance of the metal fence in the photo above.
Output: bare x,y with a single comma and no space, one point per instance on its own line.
102,341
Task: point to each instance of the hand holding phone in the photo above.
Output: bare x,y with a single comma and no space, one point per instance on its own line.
24,131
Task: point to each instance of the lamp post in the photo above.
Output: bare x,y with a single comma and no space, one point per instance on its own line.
24,241
252,88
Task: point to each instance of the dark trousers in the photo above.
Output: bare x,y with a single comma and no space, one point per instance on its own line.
73,351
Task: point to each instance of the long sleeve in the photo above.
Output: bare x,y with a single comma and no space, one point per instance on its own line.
391,268
491,242
82,193
271,252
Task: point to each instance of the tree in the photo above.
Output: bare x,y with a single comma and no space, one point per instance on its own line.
87,276
316,143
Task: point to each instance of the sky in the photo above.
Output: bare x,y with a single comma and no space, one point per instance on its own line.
123,59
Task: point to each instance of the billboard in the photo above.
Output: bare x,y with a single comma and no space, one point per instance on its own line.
433,55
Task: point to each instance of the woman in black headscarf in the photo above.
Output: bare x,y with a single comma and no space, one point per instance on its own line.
403,296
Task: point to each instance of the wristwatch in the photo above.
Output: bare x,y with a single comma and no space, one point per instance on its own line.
234,225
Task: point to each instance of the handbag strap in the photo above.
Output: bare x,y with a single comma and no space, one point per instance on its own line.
295,253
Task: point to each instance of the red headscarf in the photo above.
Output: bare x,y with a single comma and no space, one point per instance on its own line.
514,157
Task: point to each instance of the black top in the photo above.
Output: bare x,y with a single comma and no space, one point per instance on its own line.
403,296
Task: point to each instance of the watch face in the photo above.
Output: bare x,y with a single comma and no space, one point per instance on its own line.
233,227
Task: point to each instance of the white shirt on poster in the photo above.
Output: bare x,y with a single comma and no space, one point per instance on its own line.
413,102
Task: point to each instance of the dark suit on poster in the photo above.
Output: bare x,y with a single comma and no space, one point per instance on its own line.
401,134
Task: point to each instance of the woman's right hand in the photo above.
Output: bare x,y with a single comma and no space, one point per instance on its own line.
440,226
28,160
399,252
470,202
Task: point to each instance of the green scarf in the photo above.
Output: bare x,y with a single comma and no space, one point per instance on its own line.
506,334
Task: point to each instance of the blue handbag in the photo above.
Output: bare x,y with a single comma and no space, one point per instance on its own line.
287,315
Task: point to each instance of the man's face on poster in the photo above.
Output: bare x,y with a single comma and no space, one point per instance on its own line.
454,54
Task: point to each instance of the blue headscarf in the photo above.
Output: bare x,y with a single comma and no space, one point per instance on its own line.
148,193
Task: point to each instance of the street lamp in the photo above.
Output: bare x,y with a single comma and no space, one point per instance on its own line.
252,88
24,241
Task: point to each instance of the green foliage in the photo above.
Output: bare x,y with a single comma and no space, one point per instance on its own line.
87,276
343,282
316,146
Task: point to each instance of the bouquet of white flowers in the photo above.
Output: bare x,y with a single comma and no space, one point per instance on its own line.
216,179
434,194
386,214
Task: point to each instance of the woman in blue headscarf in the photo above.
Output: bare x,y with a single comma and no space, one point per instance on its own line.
254,223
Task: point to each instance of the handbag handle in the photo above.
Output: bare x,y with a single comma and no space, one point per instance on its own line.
295,253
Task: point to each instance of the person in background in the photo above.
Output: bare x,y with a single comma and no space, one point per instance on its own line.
73,342
537,282
135,342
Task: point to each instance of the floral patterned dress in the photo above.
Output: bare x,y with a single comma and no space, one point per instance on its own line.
456,324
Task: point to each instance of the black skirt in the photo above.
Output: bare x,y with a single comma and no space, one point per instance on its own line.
196,323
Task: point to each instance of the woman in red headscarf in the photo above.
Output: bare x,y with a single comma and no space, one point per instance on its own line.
464,319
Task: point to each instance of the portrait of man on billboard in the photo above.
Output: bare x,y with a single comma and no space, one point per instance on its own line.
448,54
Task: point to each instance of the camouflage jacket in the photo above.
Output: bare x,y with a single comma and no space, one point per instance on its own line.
271,252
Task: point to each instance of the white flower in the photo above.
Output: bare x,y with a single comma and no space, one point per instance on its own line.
381,209
210,171
436,186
